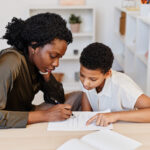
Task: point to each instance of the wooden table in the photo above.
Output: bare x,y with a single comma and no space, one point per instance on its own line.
36,136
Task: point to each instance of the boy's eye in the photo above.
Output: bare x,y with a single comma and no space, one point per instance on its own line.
93,79
81,75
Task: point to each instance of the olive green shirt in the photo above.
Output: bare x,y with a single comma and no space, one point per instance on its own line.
19,82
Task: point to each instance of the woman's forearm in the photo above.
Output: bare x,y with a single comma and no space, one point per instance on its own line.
36,116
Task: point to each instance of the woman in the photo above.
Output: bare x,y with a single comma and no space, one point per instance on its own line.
37,45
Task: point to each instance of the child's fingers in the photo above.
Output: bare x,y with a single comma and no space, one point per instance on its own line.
98,120
91,120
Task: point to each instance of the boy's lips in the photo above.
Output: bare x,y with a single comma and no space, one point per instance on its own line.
86,87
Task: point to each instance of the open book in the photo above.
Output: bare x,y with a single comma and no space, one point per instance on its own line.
101,140
77,122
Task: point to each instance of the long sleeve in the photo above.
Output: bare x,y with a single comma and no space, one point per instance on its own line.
8,73
13,119
53,90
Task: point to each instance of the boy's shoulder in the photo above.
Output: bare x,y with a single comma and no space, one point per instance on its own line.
120,78
124,82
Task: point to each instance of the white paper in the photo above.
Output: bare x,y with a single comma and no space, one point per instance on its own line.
101,140
77,123
75,144
110,140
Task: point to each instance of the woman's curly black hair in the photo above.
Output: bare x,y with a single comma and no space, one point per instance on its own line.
97,56
40,29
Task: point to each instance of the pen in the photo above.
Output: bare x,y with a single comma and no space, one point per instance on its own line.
54,100
57,102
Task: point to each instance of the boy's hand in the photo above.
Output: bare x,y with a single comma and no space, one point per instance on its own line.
103,119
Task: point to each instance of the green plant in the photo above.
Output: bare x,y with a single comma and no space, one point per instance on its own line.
73,19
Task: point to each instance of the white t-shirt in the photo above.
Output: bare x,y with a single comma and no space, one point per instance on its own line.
119,93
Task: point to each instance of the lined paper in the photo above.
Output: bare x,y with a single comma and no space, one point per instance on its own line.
77,122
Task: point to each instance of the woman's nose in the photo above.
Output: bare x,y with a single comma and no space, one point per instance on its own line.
56,62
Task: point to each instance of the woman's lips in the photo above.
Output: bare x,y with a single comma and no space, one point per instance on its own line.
49,70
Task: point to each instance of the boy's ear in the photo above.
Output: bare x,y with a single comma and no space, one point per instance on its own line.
108,73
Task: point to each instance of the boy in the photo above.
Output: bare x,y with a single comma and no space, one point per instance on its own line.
104,89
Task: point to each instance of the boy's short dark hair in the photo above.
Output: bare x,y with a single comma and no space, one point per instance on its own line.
97,56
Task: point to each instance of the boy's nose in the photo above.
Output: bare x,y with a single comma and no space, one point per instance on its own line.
86,83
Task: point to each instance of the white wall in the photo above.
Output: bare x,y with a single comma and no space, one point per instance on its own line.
104,16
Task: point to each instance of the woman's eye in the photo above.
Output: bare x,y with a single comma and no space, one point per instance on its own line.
53,56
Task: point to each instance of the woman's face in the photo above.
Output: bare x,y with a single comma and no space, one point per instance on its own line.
46,58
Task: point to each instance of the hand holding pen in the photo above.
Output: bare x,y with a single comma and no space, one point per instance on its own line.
58,112
57,102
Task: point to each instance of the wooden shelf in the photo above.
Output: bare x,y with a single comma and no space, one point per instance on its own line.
82,34
70,58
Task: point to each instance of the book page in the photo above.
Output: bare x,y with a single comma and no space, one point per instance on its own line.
77,123
75,144
110,140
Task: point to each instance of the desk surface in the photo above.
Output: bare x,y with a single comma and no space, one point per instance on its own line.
36,137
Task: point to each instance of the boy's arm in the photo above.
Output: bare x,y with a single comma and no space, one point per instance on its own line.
85,105
140,114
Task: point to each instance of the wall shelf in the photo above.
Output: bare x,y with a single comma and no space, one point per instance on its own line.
143,59
136,42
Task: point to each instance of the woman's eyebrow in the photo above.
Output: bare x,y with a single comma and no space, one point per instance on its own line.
93,78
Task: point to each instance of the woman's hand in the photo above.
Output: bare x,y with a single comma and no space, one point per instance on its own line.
55,113
103,119
58,112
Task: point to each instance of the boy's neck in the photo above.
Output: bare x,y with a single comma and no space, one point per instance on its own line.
99,88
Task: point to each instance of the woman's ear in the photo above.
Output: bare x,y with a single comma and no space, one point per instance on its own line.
32,49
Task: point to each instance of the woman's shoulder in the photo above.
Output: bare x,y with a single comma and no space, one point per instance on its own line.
11,59
10,55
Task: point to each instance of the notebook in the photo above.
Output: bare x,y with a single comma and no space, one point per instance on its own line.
77,122
101,140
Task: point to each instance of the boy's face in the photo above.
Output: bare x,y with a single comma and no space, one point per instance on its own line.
92,78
